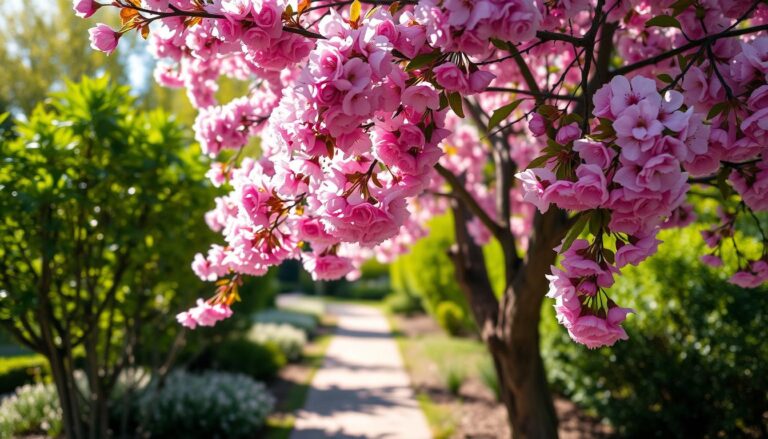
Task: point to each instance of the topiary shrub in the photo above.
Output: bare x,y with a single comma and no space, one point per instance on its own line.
450,317
240,355
289,339
31,410
306,322
696,363
207,406
17,371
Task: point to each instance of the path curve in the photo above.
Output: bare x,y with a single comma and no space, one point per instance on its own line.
362,389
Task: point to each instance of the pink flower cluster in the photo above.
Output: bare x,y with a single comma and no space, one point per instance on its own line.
453,78
204,314
458,25
582,307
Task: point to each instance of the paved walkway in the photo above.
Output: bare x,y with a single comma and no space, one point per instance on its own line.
362,390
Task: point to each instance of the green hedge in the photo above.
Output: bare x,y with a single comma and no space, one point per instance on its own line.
240,355
426,272
17,371
696,363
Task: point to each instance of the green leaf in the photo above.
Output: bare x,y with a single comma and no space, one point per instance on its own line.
539,161
454,99
575,231
717,109
665,78
548,111
4,117
499,44
422,60
679,6
663,21
502,113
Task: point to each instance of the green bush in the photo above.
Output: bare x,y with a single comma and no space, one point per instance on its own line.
306,322
450,317
239,355
207,406
427,272
32,409
401,302
17,371
696,363
289,339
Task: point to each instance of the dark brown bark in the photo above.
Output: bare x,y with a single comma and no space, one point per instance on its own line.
510,326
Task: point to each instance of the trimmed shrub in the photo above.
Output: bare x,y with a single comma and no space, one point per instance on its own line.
17,371
32,409
289,339
451,318
207,406
306,322
696,362
258,361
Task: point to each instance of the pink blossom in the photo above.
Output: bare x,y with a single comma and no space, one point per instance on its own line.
591,188
204,314
450,77
534,182
85,8
568,133
711,260
328,267
104,39
537,125
594,332
637,250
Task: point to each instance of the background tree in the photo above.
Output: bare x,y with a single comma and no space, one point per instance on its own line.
41,47
361,115
104,206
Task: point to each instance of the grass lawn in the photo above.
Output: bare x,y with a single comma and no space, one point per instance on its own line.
436,361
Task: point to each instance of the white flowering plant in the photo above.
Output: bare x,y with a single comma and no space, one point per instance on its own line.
31,409
208,405
289,339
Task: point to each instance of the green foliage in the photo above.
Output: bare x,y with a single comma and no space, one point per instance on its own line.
17,371
696,363
211,405
32,409
40,45
426,272
108,206
401,302
289,339
450,317
240,355
306,322
453,377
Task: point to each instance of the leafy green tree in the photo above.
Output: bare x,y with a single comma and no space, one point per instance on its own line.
41,46
102,213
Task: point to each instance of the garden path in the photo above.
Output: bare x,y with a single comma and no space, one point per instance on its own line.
362,389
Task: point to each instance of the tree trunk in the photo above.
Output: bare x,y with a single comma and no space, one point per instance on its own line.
510,327
522,378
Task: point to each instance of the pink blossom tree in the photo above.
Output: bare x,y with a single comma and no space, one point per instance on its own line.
578,127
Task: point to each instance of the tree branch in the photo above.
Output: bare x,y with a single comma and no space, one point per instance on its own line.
686,47
471,203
